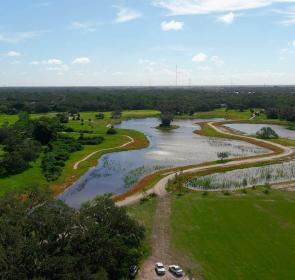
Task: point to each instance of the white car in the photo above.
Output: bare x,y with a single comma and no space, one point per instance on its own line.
160,269
176,270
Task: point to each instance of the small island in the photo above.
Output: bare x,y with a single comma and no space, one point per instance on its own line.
166,120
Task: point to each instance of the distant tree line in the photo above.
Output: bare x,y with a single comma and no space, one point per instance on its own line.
185,100
43,238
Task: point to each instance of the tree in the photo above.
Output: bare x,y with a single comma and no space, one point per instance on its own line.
166,118
223,155
267,133
111,131
99,116
117,114
63,117
45,129
43,238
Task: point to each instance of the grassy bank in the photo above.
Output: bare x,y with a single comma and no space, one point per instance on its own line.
226,114
144,214
33,176
247,236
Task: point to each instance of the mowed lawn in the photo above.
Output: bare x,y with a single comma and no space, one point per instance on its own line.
144,214
249,236
229,114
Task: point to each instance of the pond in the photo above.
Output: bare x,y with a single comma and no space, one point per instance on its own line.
116,172
243,178
251,129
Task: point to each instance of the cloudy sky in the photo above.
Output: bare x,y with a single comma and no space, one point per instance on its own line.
140,42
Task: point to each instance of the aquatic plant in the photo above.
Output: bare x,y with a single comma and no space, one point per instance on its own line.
243,178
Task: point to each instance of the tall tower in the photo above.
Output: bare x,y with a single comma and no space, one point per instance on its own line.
176,75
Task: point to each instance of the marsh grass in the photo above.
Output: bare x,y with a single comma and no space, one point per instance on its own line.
245,178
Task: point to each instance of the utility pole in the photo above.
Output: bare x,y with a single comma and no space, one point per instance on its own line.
176,75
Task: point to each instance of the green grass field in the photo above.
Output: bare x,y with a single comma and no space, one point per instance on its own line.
144,214
33,176
229,114
250,236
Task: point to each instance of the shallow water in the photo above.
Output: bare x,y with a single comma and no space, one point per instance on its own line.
251,129
238,179
116,172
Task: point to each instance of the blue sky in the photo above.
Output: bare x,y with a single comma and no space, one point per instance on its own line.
140,42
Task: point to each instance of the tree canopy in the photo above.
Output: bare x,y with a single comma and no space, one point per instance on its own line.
42,238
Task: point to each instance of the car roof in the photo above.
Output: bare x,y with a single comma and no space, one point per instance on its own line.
159,264
175,266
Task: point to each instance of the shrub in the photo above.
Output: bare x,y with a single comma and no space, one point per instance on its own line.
267,133
99,116
112,131
56,153
90,140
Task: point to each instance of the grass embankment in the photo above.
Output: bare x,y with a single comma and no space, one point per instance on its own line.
207,130
226,114
249,236
33,176
144,213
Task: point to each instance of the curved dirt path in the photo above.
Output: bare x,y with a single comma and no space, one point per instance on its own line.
131,140
160,233
160,186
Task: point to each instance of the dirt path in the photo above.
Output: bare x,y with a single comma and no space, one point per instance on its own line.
131,140
160,235
159,187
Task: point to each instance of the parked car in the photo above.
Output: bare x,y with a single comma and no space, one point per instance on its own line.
176,270
160,269
133,271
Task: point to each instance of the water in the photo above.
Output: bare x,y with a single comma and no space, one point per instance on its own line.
116,172
238,179
251,129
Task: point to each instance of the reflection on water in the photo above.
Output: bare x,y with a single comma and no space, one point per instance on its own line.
117,172
251,129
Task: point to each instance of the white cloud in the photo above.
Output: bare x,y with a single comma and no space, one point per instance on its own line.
146,62
172,25
227,19
84,27
14,38
126,14
200,57
217,60
35,62
52,64
81,60
52,61
284,53
190,7
59,68
289,16
15,62
13,54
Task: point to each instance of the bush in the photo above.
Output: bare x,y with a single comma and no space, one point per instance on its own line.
112,131
56,154
99,116
267,133
90,140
